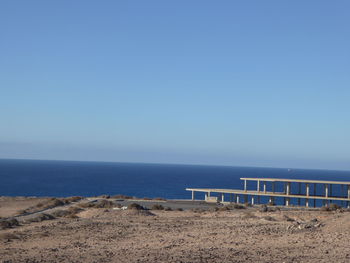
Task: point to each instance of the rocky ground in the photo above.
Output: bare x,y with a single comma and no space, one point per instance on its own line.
98,230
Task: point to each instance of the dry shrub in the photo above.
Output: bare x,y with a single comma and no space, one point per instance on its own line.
86,205
54,202
238,206
8,236
40,218
104,204
265,208
69,213
224,208
72,199
269,218
168,209
159,199
105,196
157,207
121,197
248,215
98,204
331,207
287,218
179,209
197,210
22,212
8,223
136,206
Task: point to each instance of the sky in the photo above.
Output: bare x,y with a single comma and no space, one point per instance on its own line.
242,83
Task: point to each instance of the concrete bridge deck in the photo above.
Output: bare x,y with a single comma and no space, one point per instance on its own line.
326,196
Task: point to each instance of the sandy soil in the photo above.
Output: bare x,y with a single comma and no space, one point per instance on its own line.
11,206
239,235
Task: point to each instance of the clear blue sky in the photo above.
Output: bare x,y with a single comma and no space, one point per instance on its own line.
251,83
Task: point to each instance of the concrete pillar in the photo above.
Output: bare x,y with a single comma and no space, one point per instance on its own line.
307,190
314,194
288,188
245,185
287,201
270,200
253,199
192,195
307,202
237,199
222,197
326,190
258,186
264,187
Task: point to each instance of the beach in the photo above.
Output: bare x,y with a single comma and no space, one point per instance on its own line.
105,230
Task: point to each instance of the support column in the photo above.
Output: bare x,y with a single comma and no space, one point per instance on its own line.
192,195
253,199
299,192
258,186
326,190
222,197
288,188
307,202
307,190
314,195
245,185
237,199
264,187
287,201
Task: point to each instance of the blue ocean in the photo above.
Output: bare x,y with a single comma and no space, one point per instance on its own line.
72,178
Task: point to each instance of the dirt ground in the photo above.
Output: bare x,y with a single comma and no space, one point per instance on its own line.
237,235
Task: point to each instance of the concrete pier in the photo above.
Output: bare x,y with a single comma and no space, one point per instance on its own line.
287,194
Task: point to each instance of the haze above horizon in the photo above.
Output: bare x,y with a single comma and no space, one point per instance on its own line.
258,83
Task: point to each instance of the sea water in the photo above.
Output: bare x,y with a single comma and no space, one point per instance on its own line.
72,178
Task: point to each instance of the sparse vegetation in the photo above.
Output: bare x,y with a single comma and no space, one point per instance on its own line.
72,199
135,206
331,207
159,199
168,209
157,207
248,215
69,213
238,206
40,217
98,204
8,236
121,197
8,223
269,218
